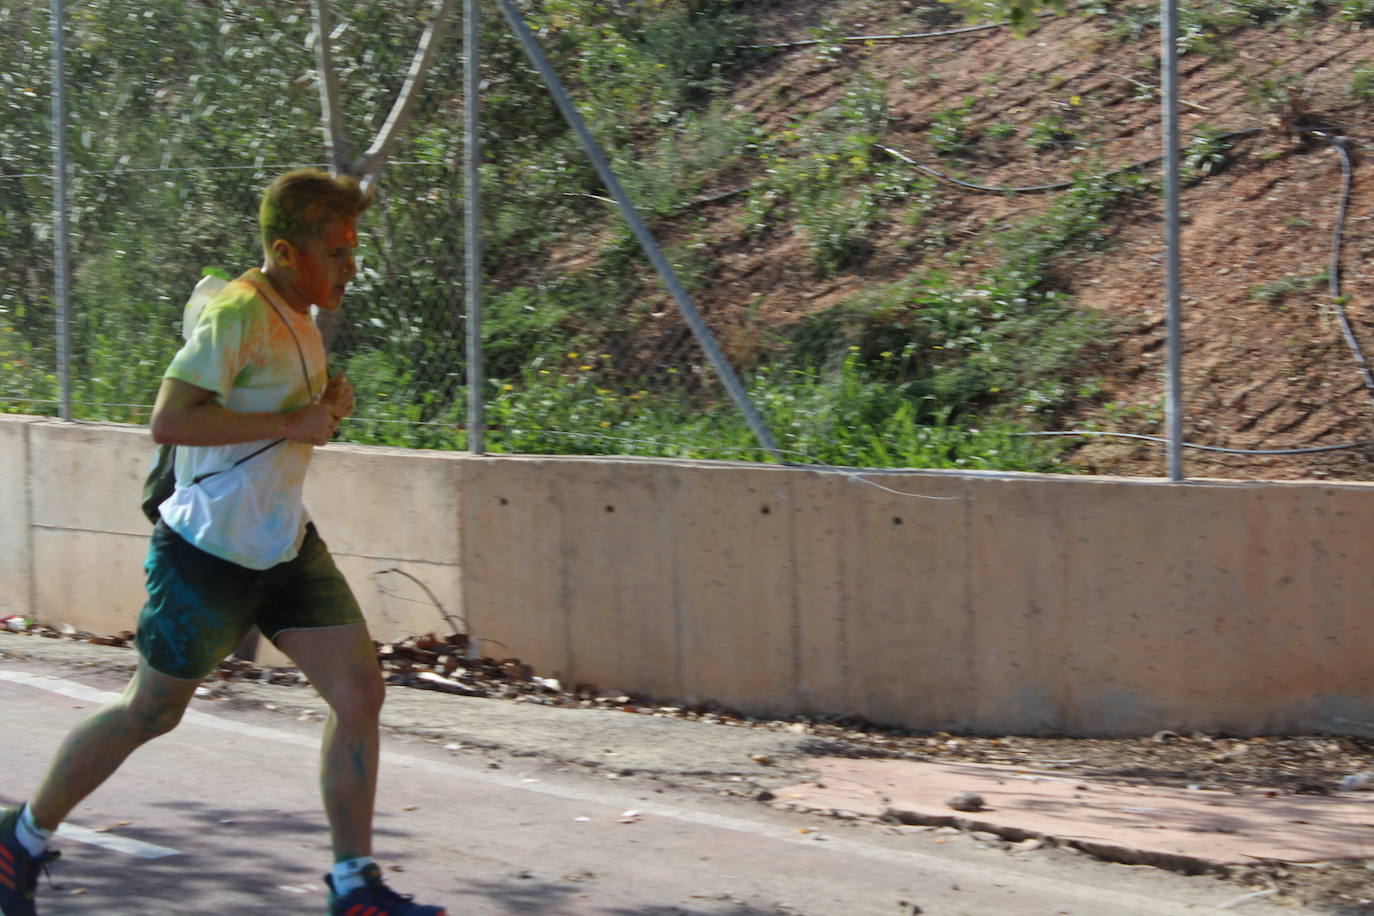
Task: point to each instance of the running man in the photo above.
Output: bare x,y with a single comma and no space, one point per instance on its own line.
245,401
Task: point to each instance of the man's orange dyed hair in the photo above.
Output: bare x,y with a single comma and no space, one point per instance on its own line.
296,205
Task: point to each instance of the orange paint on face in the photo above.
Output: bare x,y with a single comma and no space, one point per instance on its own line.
327,263
320,269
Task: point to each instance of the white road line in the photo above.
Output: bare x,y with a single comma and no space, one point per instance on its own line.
116,843
619,801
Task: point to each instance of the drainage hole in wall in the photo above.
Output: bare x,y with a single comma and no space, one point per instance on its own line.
765,510
610,508
896,519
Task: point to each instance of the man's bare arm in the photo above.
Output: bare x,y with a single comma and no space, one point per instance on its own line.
184,415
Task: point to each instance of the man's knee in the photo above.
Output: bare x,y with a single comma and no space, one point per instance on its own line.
153,703
150,717
359,697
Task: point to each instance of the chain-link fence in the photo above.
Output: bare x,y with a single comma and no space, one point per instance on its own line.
181,113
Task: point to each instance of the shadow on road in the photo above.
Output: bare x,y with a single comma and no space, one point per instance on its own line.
241,860
529,896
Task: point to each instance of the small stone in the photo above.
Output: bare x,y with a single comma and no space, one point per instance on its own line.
1358,782
967,801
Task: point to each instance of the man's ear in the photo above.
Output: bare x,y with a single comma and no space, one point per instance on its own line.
284,253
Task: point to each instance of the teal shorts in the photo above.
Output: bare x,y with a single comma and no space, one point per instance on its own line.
200,607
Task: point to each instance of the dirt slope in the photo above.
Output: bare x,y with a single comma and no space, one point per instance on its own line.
1265,364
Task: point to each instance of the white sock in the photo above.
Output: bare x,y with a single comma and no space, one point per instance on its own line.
31,836
348,874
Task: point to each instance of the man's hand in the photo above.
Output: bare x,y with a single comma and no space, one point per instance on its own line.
311,425
338,397
186,415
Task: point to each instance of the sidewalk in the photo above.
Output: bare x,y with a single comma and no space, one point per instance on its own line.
1185,830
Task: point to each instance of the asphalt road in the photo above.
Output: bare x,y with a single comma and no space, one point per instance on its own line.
222,815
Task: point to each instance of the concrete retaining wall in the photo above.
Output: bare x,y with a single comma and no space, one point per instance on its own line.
1007,603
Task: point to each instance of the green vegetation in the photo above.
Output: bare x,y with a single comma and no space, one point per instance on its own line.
947,134
1274,293
186,110
824,174
1207,154
1359,13
1362,82
1002,130
1049,133
991,354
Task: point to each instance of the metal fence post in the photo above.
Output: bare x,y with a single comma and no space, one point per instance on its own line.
640,230
61,249
1174,397
472,166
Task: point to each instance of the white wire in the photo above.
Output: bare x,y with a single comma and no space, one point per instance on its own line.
266,167
856,474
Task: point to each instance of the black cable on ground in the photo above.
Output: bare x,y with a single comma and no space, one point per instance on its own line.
945,33
1341,146
806,42
1057,186
1031,189
1210,448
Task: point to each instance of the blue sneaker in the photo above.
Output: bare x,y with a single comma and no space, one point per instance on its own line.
373,899
18,870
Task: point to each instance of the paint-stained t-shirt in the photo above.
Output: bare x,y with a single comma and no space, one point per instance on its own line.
258,355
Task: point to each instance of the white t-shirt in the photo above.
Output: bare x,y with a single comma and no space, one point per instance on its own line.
258,355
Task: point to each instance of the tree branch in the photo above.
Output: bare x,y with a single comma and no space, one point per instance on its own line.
335,138
373,160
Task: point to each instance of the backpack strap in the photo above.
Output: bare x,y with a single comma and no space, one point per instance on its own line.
310,389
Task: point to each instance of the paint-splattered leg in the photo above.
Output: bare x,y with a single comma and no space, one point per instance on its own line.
151,705
342,664
348,782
